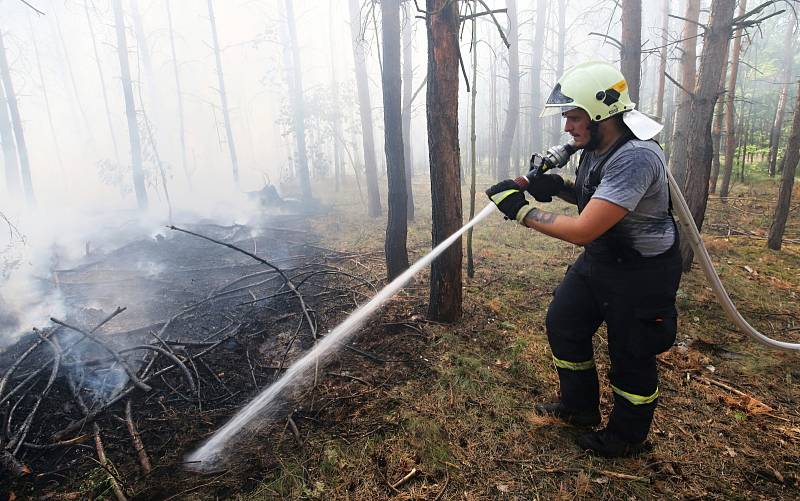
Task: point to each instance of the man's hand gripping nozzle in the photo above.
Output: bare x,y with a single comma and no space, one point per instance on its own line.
554,158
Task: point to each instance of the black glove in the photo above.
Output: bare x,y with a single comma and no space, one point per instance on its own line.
544,187
508,197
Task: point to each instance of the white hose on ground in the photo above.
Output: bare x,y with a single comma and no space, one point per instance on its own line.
686,221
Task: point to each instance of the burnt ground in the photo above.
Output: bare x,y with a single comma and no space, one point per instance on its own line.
416,410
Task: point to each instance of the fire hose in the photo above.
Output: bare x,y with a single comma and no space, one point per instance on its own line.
558,156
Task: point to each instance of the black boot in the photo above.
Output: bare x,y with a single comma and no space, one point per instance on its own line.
605,443
577,418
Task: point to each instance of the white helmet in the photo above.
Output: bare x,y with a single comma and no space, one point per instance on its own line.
601,90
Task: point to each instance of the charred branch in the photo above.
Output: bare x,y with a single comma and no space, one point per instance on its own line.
131,373
285,278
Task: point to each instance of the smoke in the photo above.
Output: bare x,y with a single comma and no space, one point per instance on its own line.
39,256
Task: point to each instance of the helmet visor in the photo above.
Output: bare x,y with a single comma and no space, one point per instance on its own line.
558,102
558,98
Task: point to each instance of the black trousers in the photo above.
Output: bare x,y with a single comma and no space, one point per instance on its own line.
636,300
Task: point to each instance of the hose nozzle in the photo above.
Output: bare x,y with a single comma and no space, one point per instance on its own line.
554,158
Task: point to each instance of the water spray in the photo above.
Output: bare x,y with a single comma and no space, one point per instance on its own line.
206,457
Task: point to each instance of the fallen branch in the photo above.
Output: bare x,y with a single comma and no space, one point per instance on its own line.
751,403
104,462
283,275
170,356
413,473
131,374
138,445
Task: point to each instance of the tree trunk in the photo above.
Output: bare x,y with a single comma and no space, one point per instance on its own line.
68,63
338,135
698,154
396,227
680,138
442,113
494,120
46,97
10,162
560,52
408,77
631,50
716,132
178,94
512,113
775,132
130,108
730,111
100,72
662,61
223,96
791,157
295,80
144,54
16,123
365,110
472,140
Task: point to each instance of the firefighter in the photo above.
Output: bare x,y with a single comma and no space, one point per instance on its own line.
628,273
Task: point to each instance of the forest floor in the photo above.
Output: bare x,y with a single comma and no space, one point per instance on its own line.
430,411
461,418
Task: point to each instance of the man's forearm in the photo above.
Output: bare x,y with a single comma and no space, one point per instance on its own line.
568,193
554,225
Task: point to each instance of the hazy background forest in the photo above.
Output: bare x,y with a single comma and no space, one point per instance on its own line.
64,66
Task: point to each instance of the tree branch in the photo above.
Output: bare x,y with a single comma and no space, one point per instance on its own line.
699,25
678,85
614,41
33,8
496,23
481,14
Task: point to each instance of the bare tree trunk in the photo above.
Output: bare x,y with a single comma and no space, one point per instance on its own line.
130,107
16,123
791,157
408,77
730,112
365,110
298,107
102,83
223,96
775,132
338,136
46,97
561,48
680,139
144,53
631,50
68,62
396,227
716,132
442,112
662,61
10,162
494,121
512,112
472,140
698,154
178,93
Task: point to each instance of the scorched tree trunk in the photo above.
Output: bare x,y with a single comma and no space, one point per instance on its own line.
442,112
791,158
396,227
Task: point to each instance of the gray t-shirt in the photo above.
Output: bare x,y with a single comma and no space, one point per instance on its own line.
634,177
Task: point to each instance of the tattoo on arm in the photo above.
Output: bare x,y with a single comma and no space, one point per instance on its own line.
540,216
